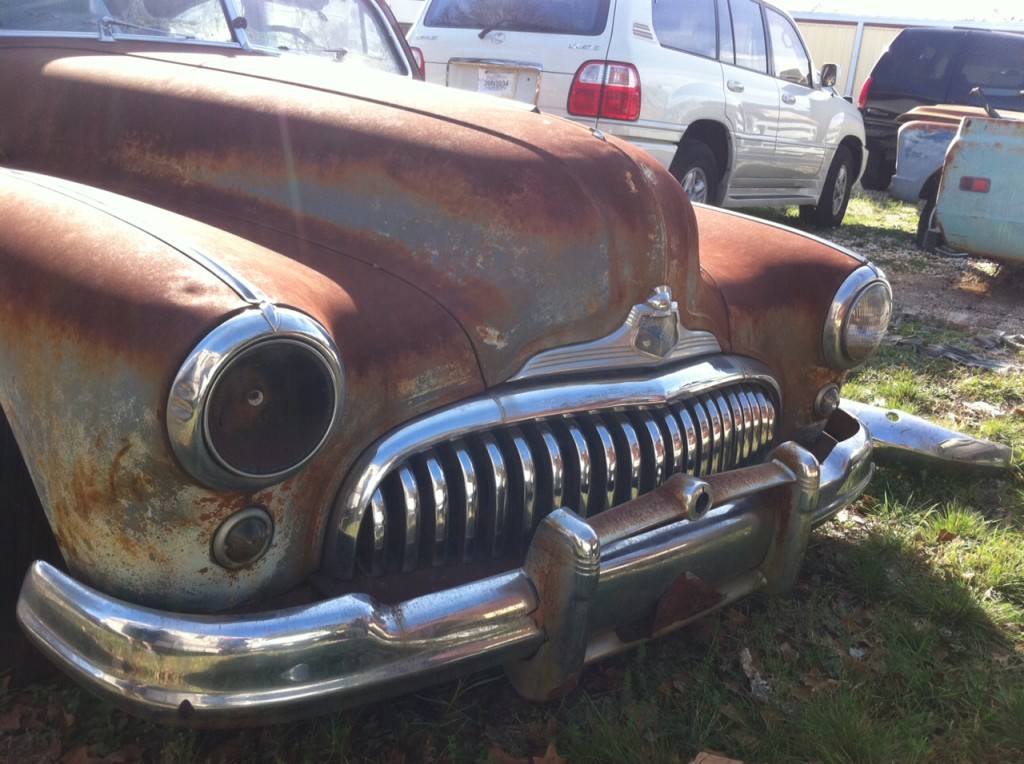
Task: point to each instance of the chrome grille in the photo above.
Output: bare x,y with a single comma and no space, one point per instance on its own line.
481,493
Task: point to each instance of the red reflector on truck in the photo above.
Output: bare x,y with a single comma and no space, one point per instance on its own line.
978,185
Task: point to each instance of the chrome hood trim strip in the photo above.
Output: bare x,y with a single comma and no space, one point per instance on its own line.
120,209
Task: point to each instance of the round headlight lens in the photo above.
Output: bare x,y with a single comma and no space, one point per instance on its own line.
270,409
867,321
256,399
858,319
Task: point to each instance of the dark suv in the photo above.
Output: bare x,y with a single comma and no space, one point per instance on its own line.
929,66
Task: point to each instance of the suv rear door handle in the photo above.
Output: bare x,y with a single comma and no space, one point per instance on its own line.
735,86
788,99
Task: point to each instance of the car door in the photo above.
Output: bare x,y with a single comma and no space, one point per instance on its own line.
751,92
804,111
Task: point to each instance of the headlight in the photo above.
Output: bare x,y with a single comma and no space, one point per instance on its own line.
256,399
858,318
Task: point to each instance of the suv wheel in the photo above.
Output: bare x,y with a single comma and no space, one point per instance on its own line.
696,170
835,195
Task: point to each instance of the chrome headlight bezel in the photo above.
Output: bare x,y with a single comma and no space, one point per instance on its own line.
196,382
866,282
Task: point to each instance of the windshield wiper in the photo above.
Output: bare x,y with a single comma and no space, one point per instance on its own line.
519,25
107,23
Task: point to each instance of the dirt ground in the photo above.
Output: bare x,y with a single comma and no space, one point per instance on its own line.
942,291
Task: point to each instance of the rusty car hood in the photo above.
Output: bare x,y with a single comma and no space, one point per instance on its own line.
531,238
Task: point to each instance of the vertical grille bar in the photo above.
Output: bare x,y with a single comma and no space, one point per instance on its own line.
378,514
630,464
466,495
654,443
496,476
409,506
582,463
523,488
438,491
553,465
704,438
604,495
689,431
677,459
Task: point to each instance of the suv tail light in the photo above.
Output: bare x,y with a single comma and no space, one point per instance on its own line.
606,89
862,101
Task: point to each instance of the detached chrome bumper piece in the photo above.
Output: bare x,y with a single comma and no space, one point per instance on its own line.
900,436
588,588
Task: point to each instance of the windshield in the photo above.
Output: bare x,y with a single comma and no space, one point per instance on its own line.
353,31
577,17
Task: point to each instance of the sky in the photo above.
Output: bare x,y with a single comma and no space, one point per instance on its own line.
994,11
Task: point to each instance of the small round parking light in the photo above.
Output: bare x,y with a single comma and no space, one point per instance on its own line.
827,401
243,538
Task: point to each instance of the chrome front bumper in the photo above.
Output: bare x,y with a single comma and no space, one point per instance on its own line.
588,588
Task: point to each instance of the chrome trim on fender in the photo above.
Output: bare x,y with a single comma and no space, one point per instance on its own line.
578,597
125,210
834,332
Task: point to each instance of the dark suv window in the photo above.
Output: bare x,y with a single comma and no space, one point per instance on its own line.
919,64
996,65
578,17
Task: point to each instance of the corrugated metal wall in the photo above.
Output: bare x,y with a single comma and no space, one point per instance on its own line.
855,46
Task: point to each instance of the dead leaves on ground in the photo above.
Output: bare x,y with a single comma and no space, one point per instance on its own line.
550,757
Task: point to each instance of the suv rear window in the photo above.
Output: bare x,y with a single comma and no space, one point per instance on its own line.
577,17
919,62
996,64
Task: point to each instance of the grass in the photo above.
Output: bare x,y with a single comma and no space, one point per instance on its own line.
902,641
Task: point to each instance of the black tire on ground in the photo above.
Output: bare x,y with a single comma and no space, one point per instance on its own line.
878,172
696,169
25,536
835,194
927,222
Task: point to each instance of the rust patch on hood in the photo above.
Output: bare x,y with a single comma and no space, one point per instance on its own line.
493,212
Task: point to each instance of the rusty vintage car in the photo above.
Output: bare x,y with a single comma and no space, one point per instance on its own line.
330,383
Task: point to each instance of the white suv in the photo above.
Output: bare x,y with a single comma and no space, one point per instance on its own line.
722,92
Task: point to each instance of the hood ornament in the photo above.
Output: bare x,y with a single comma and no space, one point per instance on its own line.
656,326
651,335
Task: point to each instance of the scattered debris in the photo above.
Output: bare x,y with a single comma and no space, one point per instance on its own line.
951,352
760,689
713,758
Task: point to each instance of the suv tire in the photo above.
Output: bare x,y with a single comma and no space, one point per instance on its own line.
696,169
835,195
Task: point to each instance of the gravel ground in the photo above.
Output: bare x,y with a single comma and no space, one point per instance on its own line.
947,292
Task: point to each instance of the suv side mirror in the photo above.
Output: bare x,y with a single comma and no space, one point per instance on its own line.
829,75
